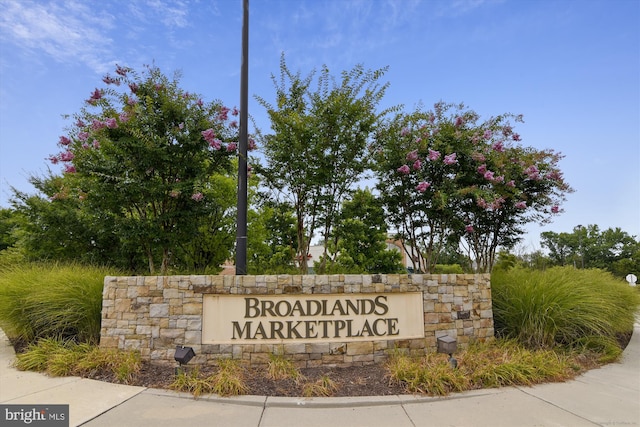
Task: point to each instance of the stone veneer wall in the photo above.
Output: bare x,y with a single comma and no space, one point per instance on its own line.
153,314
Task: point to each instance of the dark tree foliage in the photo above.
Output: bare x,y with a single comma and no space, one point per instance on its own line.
317,151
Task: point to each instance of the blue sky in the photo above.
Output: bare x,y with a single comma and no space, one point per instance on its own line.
572,68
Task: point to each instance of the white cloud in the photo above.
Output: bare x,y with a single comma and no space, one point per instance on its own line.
66,31
173,14
461,7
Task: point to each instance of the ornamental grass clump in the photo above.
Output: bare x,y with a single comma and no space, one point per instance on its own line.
506,363
497,363
281,368
431,374
62,301
192,382
124,365
562,307
322,387
37,355
64,357
229,379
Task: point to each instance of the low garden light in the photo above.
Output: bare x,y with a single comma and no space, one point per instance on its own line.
448,345
183,354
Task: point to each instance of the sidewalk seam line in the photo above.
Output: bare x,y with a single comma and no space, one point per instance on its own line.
559,407
111,408
407,414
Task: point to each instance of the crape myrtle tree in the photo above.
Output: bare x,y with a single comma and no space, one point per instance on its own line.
317,151
414,182
445,176
154,162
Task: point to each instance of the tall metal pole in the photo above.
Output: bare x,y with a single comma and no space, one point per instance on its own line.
241,233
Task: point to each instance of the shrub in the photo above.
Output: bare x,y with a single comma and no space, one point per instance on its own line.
561,306
448,269
51,301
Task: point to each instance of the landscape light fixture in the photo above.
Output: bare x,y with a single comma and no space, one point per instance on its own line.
448,345
183,355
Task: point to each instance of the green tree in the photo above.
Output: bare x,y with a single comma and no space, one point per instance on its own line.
142,153
214,237
271,239
536,260
588,247
54,226
359,238
8,225
506,261
559,246
317,151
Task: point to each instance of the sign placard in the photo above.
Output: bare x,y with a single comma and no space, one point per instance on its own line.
253,319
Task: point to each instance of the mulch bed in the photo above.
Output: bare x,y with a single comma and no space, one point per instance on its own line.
369,380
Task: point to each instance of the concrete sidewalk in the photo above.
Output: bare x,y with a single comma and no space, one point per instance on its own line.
609,396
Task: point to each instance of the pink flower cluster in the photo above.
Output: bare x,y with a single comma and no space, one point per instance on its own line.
493,206
404,169
223,113
423,186
490,175
110,80
66,156
554,175
122,71
532,172
412,156
450,159
96,95
210,136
